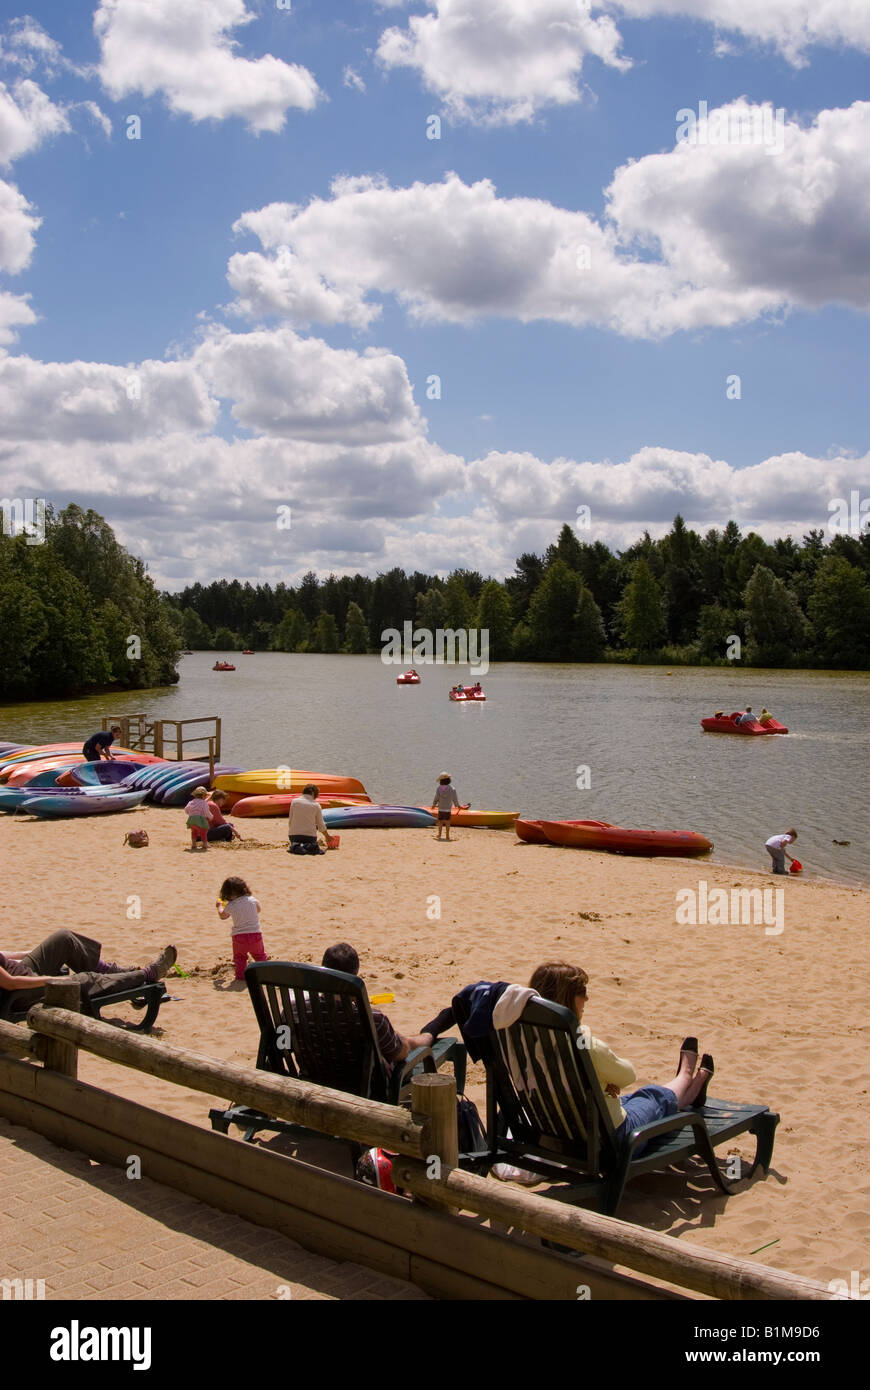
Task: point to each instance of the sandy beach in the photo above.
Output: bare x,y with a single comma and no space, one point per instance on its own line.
785,1014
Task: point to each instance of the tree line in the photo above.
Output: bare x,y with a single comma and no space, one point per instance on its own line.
681,600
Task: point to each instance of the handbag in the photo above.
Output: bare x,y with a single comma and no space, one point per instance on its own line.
136,838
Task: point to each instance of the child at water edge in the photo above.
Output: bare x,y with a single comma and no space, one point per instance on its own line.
237,904
445,799
198,820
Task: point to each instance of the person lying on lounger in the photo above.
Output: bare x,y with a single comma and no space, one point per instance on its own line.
24,974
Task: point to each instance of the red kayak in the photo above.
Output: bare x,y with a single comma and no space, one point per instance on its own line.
409,678
532,831
727,724
616,839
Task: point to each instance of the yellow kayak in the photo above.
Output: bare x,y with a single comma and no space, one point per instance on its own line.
493,820
268,781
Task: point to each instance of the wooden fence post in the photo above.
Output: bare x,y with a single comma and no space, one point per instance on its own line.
433,1094
60,1056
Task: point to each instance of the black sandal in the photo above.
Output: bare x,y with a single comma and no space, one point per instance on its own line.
701,1099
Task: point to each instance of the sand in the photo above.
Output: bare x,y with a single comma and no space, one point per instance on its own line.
785,1015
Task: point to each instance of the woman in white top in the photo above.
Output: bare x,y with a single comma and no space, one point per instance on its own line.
306,823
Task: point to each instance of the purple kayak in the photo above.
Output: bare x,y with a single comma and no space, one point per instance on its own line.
377,817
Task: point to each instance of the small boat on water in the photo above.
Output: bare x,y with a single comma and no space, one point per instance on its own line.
223,666
409,678
615,839
727,724
247,651
467,694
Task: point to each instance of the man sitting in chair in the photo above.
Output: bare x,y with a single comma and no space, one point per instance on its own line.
24,974
393,1046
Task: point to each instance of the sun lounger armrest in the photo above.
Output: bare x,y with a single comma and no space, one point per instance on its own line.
644,1133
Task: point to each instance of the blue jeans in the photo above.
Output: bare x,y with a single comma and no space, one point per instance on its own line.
778,858
644,1107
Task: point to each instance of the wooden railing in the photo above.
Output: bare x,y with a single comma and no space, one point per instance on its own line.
330,1213
160,735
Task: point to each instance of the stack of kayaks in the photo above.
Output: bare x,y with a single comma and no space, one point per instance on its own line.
616,839
171,783
377,817
80,801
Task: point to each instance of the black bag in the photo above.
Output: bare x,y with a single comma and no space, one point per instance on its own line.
469,1126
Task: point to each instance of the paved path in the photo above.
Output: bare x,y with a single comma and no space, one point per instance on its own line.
91,1233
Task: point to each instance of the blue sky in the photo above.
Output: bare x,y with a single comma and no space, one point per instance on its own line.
201,324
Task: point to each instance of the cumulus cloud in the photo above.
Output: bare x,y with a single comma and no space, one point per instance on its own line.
282,384
15,313
184,50
792,26
501,61
68,401
18,222
704,235
28,117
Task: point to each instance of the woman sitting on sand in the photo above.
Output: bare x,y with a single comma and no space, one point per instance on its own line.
24,974
566,985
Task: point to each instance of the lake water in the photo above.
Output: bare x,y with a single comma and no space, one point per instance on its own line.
636,729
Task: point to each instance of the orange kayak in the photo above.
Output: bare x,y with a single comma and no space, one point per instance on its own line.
618,840
532,831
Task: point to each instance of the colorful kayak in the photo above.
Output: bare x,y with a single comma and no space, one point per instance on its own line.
492,820
267,781
101,774
279,804
616,839
467,696
377,817
727,724
82,803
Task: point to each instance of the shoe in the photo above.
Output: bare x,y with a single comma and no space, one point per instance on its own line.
701,1099
165,961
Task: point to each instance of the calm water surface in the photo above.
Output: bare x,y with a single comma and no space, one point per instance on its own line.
636,728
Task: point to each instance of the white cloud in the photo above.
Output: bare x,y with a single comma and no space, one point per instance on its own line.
184,49
351,78
66,402
15,313
28,46
27,118
282,384
700,236
502,61
18,223
791,26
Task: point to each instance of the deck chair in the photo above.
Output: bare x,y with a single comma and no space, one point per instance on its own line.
546,1112
147,997
317,1024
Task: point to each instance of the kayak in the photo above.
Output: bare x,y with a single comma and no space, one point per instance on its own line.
11,798
82,803
727,724
280,802
101,774
532,831
466,697
41,759
267,781
377,817
492,820
616,839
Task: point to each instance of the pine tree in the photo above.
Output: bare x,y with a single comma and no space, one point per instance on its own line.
356,633
776,630
590,637
495,616
839,610
550,618
642,611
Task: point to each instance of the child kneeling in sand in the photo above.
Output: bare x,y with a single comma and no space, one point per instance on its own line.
237,904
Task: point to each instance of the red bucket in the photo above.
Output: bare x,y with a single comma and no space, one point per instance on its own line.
795,866
333,841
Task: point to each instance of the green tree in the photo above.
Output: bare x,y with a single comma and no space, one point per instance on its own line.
495,615
567,548
642,611
225,640
458,604
356,633
839,610
715,626
590,638
324,636
291,634
550,619
776,630
431,610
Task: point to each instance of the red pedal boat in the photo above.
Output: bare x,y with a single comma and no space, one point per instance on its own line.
223,666
409,678
468,695
727,724
616,839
